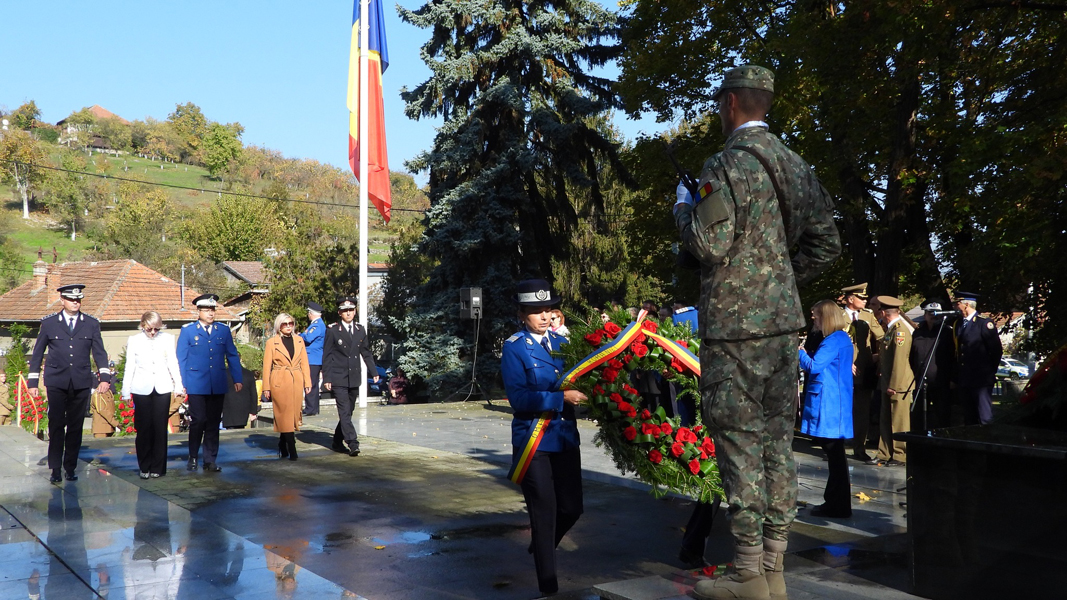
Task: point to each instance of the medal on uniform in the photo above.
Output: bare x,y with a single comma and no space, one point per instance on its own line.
196,338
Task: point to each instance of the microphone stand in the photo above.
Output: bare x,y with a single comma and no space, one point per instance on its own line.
922,380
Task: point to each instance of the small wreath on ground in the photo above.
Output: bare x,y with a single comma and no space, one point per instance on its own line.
601,358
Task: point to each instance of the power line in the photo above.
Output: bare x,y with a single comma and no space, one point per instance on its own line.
194,189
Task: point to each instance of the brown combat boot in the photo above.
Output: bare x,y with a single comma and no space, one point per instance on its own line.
774,567
746,582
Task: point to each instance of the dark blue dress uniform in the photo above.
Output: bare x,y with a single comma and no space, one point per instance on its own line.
341,354
203,358
978,352
314,336
68,379
553,482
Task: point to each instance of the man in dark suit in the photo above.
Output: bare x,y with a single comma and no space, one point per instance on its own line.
205,350
978,352
70,338
345,343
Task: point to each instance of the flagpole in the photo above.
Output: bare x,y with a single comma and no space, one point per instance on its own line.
364,179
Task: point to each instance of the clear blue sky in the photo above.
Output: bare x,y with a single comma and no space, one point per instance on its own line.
278,68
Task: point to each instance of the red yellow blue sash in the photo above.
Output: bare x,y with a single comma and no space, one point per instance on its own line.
604,353
678,351
518,470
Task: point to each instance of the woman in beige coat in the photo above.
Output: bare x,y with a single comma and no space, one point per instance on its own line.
286,379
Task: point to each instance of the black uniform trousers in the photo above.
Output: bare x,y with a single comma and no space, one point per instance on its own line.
346,398
552,487
205,412
697,530
311,399
66,416
150,413
977,404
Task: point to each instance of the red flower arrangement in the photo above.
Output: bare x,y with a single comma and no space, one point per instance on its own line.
124,417
659,449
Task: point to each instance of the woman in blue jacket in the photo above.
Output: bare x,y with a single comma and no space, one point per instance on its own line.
828,404
547,463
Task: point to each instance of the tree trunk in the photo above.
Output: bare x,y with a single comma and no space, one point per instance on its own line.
24,191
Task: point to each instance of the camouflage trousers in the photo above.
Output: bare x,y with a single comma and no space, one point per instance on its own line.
748,397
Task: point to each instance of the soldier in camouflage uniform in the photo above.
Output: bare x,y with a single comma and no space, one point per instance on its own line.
757,200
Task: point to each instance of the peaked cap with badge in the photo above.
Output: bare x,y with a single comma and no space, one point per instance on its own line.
535,292
859,290
206,301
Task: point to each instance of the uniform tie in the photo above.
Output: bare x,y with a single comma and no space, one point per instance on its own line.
547,344
855,316
70,324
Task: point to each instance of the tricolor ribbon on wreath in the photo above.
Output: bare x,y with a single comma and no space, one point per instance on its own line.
595,359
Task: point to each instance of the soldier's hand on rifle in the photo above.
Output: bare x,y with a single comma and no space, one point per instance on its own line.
683,196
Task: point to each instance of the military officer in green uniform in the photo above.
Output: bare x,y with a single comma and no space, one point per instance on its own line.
866,333
755,200
897,382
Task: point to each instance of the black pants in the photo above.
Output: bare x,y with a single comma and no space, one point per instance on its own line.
311,399
66,416
553,491
977,404
838,494
346,398
205,412
150,412
861,419
697,530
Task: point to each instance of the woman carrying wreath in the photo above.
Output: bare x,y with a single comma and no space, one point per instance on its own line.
286,379
151,375
827,413
550,470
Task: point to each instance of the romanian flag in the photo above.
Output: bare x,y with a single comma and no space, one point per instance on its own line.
378,60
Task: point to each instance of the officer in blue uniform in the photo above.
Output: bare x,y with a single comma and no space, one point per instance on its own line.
552,484
313,339
70,337
205,349
978,352
345,343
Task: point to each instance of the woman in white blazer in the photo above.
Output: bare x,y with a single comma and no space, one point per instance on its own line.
150,377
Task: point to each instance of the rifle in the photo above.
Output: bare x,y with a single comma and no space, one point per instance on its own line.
685,259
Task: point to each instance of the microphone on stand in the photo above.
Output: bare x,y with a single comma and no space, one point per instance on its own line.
945,313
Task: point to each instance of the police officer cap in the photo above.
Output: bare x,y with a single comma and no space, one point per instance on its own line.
72,291
746,76
206,301
889,302
859,290
315,306
346,302
534,292
967,296
932,306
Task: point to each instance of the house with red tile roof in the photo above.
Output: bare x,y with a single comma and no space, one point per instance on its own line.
117,293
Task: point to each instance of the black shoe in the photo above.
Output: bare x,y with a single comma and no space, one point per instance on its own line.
211,468
71,476
55,477
826,513
861,456
143,475
691,560
192,465
293,457
339,448
894,463
353,452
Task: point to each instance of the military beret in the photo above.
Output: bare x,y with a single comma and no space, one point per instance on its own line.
746,76
859,290
889,302
72,291
206,301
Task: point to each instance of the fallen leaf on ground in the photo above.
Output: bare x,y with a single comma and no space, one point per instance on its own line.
379,547
863,497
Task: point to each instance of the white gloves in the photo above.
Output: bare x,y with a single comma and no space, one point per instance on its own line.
684,197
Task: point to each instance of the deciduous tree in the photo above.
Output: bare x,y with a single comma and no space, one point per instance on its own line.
21,159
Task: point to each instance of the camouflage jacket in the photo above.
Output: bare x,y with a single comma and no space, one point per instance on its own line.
748,281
